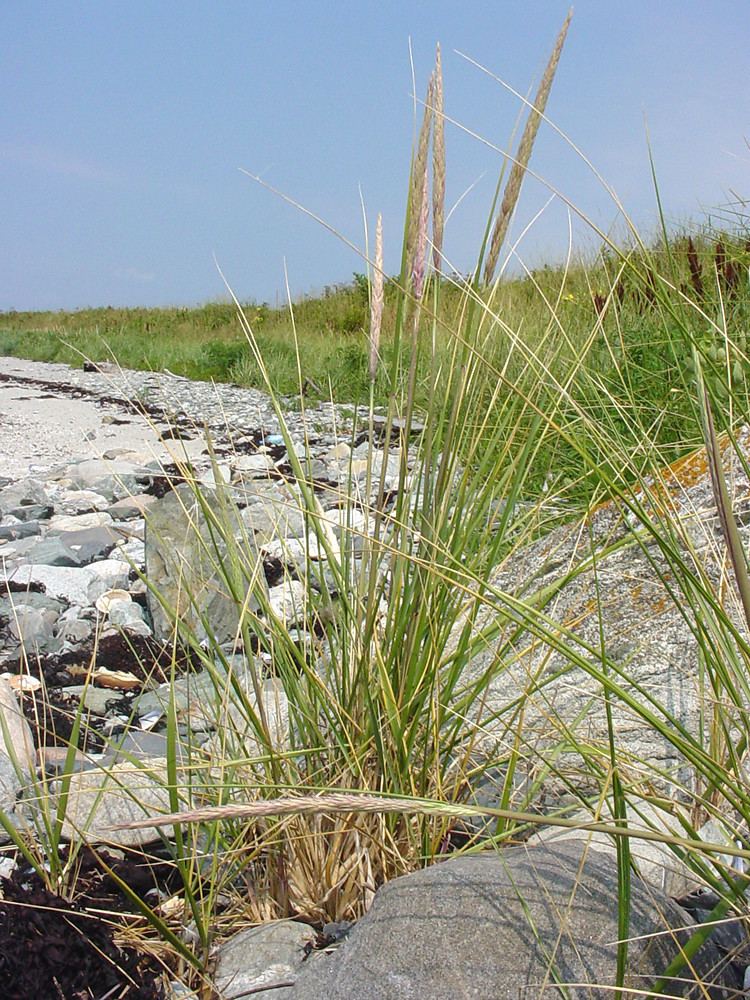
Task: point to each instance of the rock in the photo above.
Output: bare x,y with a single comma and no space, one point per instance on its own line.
75,585
501,925
130,508
66,583
288,601
10,788
143,745
30,599
31,512
272,512
97,700
71,632
295,551
133,551
108,574
259,956
112,479
654,861
22,495
78,522
100,799
91,544
52,552
32,628
249,466
184,558
81,502
16,740
53,760
19,529
124,613
642,626
339,453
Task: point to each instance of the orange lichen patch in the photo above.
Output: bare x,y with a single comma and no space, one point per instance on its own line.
680,475
690,469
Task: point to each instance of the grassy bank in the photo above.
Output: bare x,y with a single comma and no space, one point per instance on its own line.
605,330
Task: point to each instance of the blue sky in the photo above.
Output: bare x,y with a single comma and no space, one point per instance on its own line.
125,124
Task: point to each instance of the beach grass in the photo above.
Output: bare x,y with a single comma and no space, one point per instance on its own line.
543,397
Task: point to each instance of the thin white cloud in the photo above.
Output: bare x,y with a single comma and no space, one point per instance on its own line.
55,161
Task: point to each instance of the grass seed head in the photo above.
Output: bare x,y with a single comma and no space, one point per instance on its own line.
420,251
419,178
521,162
376,300
438,166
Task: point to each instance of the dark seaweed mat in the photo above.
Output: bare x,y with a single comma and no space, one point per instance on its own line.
53,949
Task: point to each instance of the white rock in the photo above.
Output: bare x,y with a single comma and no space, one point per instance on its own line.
77,522
338,453
16,740
258,463
288,601
69,583
107,574
81,502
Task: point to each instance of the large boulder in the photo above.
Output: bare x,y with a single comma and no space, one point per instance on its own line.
516,923
599,583
189,565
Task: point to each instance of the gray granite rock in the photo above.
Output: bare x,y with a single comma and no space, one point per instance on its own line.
107,574
260,956
21,495
31,512
52,552
185,554
10,788
498,926
91,544
100,799
131,507
31,628
621,603
32,600
112,479
13,529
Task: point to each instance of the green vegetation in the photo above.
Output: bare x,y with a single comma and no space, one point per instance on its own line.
539,395
603,330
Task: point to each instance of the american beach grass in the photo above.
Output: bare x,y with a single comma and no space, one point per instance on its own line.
542,396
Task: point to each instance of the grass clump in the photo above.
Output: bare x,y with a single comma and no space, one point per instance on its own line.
341,764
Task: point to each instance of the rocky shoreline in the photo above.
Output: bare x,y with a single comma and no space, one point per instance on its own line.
82,632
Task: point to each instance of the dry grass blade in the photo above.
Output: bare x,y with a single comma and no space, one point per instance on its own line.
376,300
438,166
521,162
